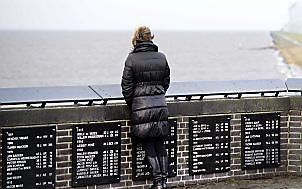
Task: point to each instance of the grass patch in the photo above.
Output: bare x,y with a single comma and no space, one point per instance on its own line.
294,36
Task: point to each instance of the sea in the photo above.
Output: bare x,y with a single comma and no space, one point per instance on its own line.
72,58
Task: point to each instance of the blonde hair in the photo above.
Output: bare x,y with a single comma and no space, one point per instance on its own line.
141,34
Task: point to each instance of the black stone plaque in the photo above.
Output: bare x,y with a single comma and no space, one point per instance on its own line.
29,157
141,170
260,140
209,145
96,154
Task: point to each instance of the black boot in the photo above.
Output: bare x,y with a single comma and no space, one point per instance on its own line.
156,172
163,161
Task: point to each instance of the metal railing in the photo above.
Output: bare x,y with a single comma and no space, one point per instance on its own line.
105,93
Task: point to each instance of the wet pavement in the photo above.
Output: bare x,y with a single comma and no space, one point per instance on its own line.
272,183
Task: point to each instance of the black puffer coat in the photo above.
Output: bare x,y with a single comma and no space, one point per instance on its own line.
145,80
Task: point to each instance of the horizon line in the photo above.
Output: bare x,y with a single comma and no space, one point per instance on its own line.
130,30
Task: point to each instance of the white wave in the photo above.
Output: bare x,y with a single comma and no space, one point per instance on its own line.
288,70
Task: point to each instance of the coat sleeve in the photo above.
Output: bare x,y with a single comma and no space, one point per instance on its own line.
127,82
166,81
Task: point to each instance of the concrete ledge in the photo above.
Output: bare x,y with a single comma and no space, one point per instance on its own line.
296,102
80,114
225,106
40,116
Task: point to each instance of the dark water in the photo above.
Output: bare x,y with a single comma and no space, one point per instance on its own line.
35,58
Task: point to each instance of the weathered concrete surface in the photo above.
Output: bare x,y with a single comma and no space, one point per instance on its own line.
40,116
226,106
296,103
280,182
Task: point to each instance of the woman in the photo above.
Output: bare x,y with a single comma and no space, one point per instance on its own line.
145,80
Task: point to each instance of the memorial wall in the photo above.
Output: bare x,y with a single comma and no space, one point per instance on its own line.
209,140
28,157
96,154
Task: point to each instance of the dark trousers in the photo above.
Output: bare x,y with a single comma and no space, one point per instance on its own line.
155,147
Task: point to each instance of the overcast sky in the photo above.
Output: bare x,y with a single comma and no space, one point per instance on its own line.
158,14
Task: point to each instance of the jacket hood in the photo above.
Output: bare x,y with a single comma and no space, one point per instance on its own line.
145,47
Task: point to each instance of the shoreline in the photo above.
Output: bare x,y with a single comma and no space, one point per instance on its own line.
289,49
289,46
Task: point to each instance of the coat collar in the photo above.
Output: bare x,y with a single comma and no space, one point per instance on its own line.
145,47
